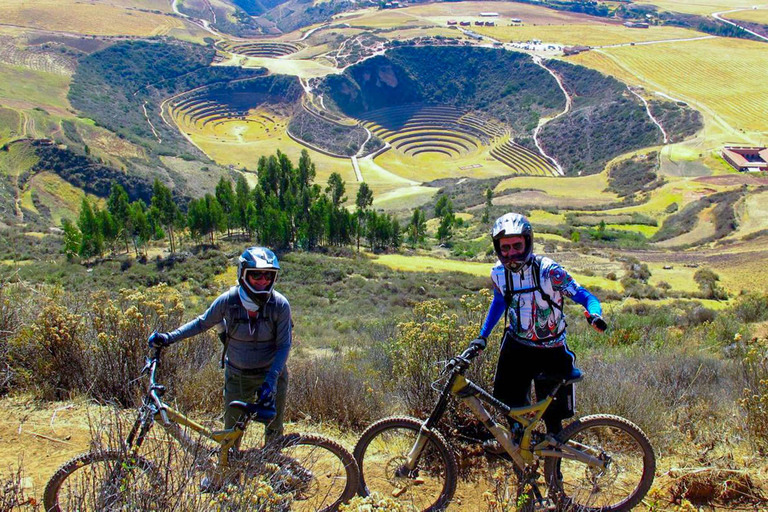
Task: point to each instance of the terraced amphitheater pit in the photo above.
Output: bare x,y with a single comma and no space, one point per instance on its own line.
442,111
430,112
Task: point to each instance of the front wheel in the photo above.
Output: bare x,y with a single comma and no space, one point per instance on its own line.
108,480
382,452
628,473
314,472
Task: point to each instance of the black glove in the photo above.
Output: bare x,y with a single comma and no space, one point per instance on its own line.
267,394
597,322
479,343
158,339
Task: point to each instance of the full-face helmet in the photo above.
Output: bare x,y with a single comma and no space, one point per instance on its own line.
257,271
513,224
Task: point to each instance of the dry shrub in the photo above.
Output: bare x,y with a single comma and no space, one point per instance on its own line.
333,389
714,486
198,385
52,354
180,471
429,339
663,392
12,492
97,344
9,322
755,395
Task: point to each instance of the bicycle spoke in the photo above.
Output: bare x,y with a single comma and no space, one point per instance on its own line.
385,473
590,487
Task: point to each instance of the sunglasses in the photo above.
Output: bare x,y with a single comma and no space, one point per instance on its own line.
517,247
259,274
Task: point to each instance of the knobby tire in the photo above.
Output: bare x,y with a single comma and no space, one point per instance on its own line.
381,451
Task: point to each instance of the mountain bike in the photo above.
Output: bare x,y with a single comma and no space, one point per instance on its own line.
316,473
597,463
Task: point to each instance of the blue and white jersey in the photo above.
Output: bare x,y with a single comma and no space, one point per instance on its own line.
535,303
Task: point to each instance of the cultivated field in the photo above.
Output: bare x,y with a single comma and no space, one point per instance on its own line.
86,18
720,76
440,13
751,15
588,34
752,213
36,58
700,6
58,196
20,86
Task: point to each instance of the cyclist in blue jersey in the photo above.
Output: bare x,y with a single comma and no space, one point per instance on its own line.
529,291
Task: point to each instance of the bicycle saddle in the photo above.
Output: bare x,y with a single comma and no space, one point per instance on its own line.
574,376
257,411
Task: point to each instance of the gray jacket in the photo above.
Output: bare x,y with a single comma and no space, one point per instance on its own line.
260,343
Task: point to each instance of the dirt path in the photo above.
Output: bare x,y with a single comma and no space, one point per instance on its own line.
650,115
542,122
40,437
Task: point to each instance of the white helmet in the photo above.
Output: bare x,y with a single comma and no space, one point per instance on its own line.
257,259
513,224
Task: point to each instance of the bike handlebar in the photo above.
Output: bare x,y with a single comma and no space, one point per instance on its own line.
462,360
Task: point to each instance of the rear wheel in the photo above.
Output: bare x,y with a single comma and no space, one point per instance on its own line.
382,452
315,473
628,474
104,481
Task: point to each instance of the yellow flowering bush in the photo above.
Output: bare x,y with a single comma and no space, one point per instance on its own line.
372,503
432,336
256,495
121,327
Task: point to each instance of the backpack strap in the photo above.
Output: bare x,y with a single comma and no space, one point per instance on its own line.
537,283
509,290
231,319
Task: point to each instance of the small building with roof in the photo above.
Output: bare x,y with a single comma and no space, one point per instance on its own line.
746,158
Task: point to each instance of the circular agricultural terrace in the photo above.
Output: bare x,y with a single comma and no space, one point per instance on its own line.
416,129
266,49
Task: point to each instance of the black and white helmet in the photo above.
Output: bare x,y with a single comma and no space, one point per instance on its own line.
513,224
257,259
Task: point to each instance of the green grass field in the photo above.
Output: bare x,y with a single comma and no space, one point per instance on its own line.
10,124
18,159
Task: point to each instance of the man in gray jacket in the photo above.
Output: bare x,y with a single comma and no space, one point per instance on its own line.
258,327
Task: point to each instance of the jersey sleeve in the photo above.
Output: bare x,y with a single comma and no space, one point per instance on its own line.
560,280
589,301
494,312
212,316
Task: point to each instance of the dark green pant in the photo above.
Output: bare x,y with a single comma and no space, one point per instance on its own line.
244,387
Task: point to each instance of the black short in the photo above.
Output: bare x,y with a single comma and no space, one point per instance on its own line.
517,367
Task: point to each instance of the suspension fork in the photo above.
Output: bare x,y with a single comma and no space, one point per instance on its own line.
421,439
139,430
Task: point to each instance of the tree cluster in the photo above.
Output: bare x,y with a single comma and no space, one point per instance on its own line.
284,210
